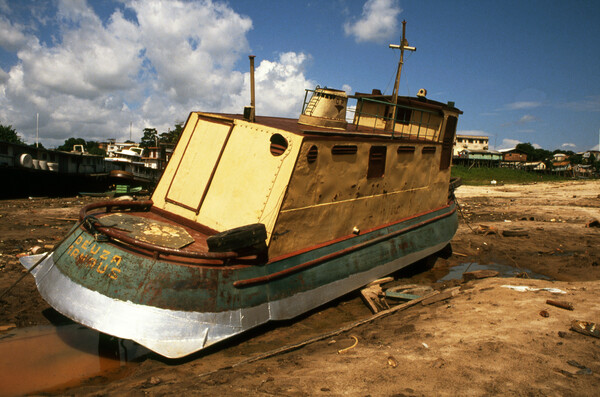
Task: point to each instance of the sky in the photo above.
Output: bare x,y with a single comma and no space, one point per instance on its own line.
521,71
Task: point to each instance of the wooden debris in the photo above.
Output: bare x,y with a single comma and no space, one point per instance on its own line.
380,281
485,230
7,327
516,232
372,297
479,274
441,296
561,304
593,223
585,328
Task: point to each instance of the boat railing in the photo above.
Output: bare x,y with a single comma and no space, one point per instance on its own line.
410,122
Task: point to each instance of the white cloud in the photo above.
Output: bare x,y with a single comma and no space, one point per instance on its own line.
522,105
588,104
527,118
98,76
279,85
377,22
508,144
568,144
12,37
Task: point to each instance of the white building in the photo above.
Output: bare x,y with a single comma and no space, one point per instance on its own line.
470,142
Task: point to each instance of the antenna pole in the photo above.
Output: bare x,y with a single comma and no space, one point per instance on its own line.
389,125
252,98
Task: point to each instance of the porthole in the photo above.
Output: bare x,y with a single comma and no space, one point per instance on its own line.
278,144
312,154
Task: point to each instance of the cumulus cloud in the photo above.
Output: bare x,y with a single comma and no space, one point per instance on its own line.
149,64
12,37
508,144
377,22
280,86
568,145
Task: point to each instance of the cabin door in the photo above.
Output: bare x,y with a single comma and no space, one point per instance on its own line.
448,142
198,164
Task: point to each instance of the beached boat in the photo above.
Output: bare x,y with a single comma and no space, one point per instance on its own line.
261,218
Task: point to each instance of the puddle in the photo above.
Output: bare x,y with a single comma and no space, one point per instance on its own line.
456,272
51,358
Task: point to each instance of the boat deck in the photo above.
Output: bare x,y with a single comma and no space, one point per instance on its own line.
181,242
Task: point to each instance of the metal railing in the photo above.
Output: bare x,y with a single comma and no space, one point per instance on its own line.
404,117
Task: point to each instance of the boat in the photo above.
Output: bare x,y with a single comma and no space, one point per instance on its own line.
260,218
28,171
127,166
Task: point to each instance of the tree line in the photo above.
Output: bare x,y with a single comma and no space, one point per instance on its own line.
151,137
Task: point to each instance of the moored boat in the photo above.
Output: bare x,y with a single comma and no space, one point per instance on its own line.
261,218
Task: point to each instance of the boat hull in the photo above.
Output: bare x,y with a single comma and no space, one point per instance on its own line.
176,309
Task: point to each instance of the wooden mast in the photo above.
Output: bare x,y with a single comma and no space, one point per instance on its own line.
390,123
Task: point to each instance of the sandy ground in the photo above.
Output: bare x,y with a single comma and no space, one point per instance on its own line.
486,339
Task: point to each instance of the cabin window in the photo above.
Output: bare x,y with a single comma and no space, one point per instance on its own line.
406,149
278,144
344,149
376,162
311,156
403,115
428,150
405,153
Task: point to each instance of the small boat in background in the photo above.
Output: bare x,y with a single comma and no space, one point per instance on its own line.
261,218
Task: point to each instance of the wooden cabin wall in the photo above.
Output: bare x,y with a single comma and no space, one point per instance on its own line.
331,196
224,175
372,115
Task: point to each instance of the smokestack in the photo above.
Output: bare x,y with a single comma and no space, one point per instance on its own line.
249,112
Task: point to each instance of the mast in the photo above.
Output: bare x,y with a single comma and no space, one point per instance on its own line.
389,125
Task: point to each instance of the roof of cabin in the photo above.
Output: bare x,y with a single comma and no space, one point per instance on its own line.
292,125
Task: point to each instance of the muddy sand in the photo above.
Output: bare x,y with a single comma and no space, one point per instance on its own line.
483,338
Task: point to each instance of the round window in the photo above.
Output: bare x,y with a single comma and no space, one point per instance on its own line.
278,144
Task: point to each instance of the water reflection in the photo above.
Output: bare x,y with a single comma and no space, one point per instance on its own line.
51,358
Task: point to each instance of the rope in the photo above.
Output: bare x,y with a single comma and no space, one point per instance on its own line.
318,338
464,218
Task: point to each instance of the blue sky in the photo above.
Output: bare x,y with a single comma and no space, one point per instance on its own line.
521,71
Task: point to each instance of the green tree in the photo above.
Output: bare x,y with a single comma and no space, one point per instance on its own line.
93,147
69,143
526,148
150,138
172,135
8,134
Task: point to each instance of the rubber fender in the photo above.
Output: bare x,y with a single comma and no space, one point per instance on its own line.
237,238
